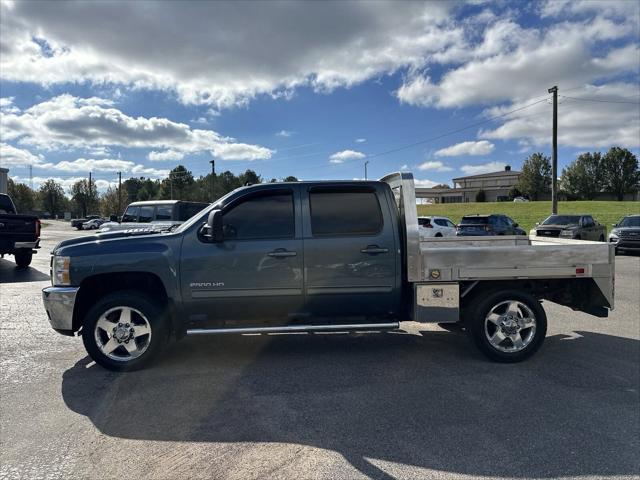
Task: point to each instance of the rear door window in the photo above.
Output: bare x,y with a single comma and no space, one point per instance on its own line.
344,212
146,214
163,212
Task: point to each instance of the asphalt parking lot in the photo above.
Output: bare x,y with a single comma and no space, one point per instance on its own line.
420,404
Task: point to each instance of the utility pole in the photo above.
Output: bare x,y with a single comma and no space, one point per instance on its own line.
213,180
89,198
365,169
554,158
31,177
171,183
119,193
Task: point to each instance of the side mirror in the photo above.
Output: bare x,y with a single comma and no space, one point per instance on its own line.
214,223
614,224
516,225
113,218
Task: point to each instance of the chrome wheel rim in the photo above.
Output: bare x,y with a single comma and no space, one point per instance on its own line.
122,333
510,326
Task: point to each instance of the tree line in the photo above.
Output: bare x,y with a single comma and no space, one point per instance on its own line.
82,198
591,174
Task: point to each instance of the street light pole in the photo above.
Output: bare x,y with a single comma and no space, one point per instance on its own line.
213,180
365,169
554,158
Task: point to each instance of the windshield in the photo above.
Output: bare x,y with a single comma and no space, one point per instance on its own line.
630,222
562,220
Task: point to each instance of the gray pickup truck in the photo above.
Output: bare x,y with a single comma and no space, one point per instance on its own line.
19,234
578,227
315,257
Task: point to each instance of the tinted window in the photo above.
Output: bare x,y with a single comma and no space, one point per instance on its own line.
266,216
442,223
163,212
474,220
630,222
345,213
188,210
450,224
6,205
424,221
588,221
131,214
562,220
146,214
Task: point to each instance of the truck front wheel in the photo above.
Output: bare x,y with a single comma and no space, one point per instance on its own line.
23,258
124,331
507,326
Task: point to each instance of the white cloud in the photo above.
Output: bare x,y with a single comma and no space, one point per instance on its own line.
481,147
104,165
424,183
489,167
284,133
582,124
332,45
404,167
344,155
13,156
361,140
436,166
515,63
71,122
166,155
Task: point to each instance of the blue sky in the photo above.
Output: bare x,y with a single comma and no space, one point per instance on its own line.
311,89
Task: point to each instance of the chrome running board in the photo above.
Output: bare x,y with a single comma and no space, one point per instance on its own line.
350,327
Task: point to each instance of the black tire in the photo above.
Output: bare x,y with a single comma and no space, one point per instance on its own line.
480,308
23,258
601,239
578,237
438,234
155,315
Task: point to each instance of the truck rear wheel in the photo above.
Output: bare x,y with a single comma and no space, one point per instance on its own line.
23,258
124,331
507,326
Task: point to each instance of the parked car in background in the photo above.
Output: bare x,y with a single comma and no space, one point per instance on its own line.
156,214
578,227
488,225
626,234
436,227
78,222
93,224
19,234
520,199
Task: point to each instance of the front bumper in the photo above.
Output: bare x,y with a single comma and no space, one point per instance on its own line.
59,303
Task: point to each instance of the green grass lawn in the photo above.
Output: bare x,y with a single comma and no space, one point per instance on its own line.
528,213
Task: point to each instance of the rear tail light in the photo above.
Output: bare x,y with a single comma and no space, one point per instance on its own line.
428,225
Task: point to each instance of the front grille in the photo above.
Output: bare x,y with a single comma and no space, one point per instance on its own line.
629,234
548,233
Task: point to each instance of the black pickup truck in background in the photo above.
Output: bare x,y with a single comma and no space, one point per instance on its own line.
19,234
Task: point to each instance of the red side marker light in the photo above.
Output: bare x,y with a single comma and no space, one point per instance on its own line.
579,271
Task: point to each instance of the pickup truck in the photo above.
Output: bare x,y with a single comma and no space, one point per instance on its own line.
19,234
315,257
578,227
154,215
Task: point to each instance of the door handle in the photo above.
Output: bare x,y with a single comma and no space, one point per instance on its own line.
374,250
282,253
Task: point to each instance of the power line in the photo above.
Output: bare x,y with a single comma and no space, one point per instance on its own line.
585,99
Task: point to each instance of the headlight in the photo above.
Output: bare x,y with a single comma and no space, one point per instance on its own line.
613,236
566,233
60,274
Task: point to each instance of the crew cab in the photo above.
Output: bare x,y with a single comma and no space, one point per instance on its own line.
19,234
156,214
315,257
578,227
